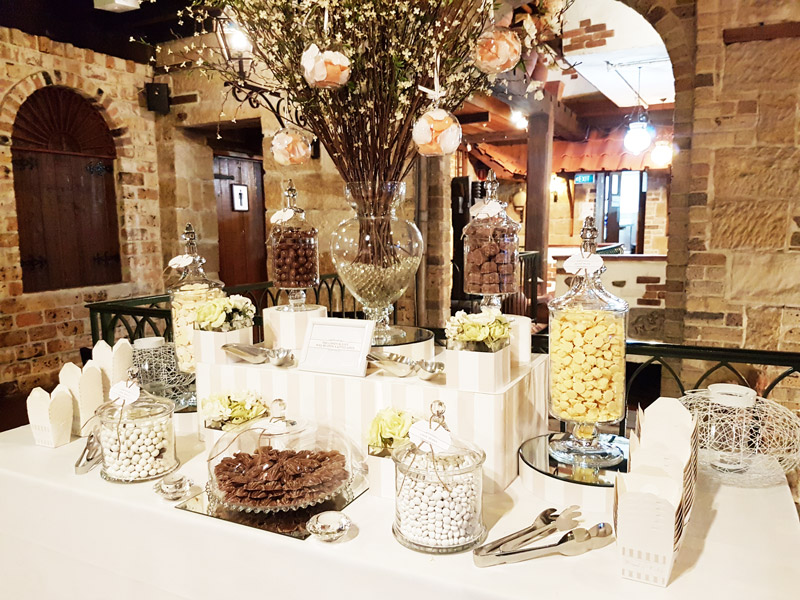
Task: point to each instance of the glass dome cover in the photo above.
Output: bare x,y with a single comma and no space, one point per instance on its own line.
275,465
188,271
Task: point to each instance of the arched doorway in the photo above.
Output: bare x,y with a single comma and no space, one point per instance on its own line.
62,158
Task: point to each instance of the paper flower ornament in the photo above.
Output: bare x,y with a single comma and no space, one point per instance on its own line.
329,69
498,50
437,133
291,146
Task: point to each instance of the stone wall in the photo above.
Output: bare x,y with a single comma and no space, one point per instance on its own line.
655,213
39,332
742,283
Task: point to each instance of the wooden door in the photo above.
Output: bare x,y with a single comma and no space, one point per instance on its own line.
242,233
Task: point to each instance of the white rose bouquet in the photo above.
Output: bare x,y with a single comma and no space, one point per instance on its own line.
486,331
388,430
228,411
225,314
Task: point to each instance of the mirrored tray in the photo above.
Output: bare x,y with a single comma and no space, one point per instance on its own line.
535,454
290,523
412,335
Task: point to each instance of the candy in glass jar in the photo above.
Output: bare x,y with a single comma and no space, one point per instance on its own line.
587,359
438,483
136,434
191,290
491,249
294,252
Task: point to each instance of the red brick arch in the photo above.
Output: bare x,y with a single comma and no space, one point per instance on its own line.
88,89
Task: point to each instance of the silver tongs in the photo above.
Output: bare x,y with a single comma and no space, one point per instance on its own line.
509,549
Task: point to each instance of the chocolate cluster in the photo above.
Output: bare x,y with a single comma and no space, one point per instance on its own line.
490,263
271,478
294,258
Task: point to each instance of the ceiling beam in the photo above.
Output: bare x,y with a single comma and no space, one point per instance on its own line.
773,31
567,125
477,117
498,138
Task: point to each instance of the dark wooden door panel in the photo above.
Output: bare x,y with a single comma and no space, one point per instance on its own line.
242,234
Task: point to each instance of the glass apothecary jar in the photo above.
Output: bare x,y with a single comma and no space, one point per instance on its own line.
438,504
293,250
491,249
277,465
190,291
138,439
587,359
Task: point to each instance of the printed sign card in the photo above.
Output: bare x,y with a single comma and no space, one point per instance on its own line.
337,346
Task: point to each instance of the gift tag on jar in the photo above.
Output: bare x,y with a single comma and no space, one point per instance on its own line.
438,439
124,392
485,209
576,262
282,215
180,261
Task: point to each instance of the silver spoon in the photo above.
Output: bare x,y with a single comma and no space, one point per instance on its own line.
257,355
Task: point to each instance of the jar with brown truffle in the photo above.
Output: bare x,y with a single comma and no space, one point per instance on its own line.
491,249
293,249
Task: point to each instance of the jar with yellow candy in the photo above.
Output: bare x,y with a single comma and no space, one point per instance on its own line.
587,359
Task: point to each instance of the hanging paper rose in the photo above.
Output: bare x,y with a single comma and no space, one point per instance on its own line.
291,146
497,50
329,69
437,133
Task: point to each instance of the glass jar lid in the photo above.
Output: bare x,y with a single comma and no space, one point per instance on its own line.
291,215
432,448
189,266
146,407
587,291
491,211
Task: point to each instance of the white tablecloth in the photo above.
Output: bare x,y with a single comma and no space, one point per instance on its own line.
64,536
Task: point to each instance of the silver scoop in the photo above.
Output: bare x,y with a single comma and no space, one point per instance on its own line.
402,366
280,357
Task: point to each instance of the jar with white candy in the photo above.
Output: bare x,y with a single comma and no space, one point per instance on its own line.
438,494
137,438
587,359
191,290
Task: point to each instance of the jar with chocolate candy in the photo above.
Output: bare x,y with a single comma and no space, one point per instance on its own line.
192,289
294,252
491,247
587,359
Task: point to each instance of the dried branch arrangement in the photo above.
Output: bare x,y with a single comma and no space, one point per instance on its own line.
393,47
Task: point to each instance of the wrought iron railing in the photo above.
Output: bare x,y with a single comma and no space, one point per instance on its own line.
524,302
150,315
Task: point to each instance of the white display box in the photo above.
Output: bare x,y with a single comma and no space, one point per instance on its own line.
50,416
520,339
381,476
287,329
498,422
208,344
480,372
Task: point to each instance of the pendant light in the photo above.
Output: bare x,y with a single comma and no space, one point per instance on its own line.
639,135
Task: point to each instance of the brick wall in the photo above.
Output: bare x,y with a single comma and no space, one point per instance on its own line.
586,35
655,214
39,332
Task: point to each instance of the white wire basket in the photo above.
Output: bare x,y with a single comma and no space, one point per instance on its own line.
745,440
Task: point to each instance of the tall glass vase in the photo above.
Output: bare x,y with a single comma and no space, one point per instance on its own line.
376,253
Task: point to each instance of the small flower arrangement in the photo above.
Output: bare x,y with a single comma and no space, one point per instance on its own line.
228,411
486,331
388,430
225,314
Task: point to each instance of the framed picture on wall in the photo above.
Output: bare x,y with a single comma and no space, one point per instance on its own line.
239,195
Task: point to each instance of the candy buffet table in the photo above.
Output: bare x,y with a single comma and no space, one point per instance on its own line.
64,536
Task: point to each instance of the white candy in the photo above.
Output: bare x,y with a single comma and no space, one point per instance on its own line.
129,452
431,513
185,303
